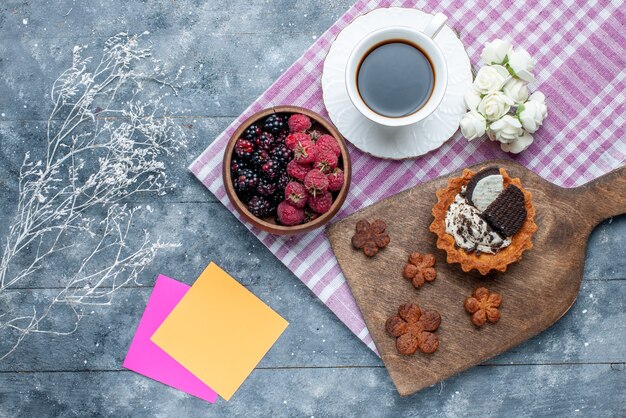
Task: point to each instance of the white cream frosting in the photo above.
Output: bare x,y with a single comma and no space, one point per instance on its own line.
470,231
486,191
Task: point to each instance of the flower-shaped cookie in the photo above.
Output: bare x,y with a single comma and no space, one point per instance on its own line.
370,237
414,329
483,306
420,269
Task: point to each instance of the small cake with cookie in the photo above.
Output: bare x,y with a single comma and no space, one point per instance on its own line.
484,220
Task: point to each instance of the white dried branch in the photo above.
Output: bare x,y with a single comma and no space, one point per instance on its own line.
104,145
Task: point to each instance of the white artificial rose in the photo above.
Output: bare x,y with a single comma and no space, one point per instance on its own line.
506,129
520,144
495,52
471,99
532,113
522,64
495,105
490,78
473,125
516,89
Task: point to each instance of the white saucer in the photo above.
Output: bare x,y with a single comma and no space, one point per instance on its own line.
387,142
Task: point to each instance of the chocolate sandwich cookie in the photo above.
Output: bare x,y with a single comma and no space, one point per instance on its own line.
507,213
484,187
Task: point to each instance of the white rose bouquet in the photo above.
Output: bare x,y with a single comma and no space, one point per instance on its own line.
499,103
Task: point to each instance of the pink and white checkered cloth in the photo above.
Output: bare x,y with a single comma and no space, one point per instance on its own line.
581,67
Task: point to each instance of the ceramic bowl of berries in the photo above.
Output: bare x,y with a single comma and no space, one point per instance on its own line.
287,170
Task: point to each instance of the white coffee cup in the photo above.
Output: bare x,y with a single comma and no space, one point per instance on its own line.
422,39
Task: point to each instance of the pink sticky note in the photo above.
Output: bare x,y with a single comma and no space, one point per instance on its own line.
146,358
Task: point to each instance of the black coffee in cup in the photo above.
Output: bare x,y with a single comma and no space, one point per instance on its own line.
395,78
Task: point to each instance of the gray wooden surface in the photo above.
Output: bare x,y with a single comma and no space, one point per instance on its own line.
233,50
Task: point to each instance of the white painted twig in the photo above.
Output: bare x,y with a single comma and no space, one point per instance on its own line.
104,145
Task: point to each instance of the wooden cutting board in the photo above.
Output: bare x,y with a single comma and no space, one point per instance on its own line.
536,291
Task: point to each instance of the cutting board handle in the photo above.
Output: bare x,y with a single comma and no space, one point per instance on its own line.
603,197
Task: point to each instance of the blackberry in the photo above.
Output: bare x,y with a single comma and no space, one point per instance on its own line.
259,206
247,180
236,165
265,141
281,184
275,200
266,187
244,196
275,124
270,169
259,157
280,138
252,132
244,148
282,154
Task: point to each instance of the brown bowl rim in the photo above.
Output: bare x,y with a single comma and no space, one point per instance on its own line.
275,228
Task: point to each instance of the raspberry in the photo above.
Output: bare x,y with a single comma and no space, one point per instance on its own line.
295,194
304,152
315,182
335,180
325,161
321,202
315,135
289,215
292,140
327,142
297,170
244,148
309,215
299,123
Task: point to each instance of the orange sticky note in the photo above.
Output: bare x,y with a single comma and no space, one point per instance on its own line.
219,331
